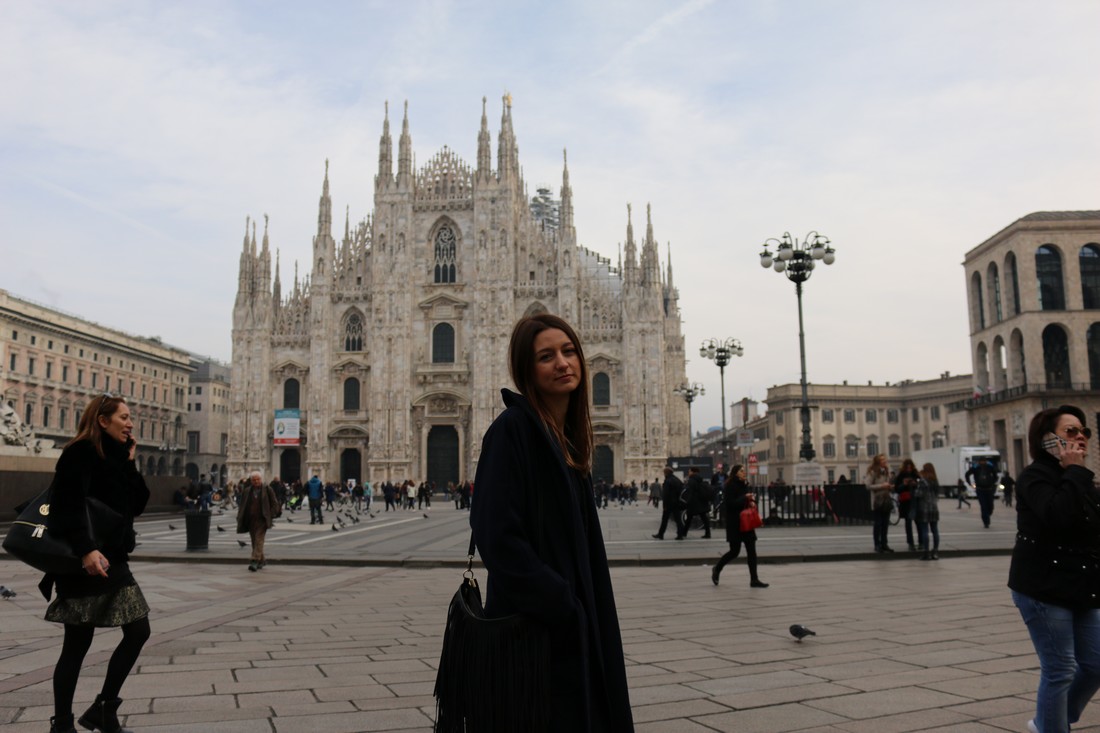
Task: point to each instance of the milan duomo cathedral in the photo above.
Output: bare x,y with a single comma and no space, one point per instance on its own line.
394,348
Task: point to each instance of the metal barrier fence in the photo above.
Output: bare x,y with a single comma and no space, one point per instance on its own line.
806,505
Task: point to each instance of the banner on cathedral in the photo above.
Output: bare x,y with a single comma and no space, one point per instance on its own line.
287,428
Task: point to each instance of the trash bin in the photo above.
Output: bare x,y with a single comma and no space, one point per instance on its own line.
198,529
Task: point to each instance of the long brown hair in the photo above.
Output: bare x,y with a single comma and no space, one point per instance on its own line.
576,437
89,428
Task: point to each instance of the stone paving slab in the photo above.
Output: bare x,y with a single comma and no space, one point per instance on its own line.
901,647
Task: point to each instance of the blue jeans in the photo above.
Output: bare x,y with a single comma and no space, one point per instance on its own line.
1067,643
922,532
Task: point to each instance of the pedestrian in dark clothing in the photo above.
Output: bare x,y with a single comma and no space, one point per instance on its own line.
697,498
672,490
389,492
904,483
738,497
538,533
330,496
98,463
1055,576
962,495
1008,483
985,484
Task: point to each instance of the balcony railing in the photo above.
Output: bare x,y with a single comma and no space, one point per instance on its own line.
1012,393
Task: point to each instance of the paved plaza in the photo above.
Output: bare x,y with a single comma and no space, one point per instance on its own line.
314,646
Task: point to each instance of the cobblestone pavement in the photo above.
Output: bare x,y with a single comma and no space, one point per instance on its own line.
900,646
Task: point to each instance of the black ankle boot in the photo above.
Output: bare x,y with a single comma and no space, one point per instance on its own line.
103,716
62,725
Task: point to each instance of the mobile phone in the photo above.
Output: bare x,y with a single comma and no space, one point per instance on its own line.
1053,445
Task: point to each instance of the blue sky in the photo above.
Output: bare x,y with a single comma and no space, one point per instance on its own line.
136,137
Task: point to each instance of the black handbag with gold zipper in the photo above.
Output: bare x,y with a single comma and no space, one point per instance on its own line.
31,540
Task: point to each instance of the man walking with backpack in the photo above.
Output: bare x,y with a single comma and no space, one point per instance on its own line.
985,483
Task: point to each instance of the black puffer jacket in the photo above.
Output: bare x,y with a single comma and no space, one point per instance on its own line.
1057,554
113,480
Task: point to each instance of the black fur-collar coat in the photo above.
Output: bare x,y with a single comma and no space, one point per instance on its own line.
114,481
536,528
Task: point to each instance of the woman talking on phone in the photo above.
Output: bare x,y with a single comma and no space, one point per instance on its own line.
1055,571
97,464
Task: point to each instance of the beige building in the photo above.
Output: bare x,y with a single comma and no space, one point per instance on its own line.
208,420
851,422
55,362
386,360
1033,291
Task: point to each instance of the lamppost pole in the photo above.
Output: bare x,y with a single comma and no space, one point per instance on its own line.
689,392
796,260
720,353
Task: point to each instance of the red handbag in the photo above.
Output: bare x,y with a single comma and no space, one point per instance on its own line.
750,518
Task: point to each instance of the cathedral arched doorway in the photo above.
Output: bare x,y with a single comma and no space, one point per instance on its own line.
351,466
603,463
290,466
443,455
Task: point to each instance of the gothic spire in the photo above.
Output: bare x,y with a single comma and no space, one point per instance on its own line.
404,152
566,195
247,223
630,271
324,213
668,280
506,163
649,264
484,154
277,288
385,154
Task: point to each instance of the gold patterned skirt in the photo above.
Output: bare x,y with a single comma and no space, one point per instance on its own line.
114,608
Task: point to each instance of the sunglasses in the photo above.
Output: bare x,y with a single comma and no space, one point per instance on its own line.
1073,431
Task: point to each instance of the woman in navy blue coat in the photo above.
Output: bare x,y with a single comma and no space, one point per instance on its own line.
535,526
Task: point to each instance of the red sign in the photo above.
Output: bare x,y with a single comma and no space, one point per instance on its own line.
752,459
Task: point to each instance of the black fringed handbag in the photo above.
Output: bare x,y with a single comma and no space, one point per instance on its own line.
494,673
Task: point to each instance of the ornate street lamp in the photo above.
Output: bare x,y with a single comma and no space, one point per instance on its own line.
689,392
796,260
720,353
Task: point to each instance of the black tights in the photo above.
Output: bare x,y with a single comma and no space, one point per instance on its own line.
735,550
78,639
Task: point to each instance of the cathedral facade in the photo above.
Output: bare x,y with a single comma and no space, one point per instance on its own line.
391,352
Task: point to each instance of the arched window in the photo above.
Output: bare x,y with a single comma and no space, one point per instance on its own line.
353,333
1048,268
977,303
351,393
443,344
1056,356
1017,369
780,449
1014,281
993,282
872,445
445,254
893,446
1094,355
1089,262
981,366
291,394
601,389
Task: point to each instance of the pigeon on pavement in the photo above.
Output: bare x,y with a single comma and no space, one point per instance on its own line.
221,528
171,526
800,632
240,543
334,528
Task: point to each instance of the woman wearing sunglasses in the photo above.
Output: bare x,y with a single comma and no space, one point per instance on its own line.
1055,572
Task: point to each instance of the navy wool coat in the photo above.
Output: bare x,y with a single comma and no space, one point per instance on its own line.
545,557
